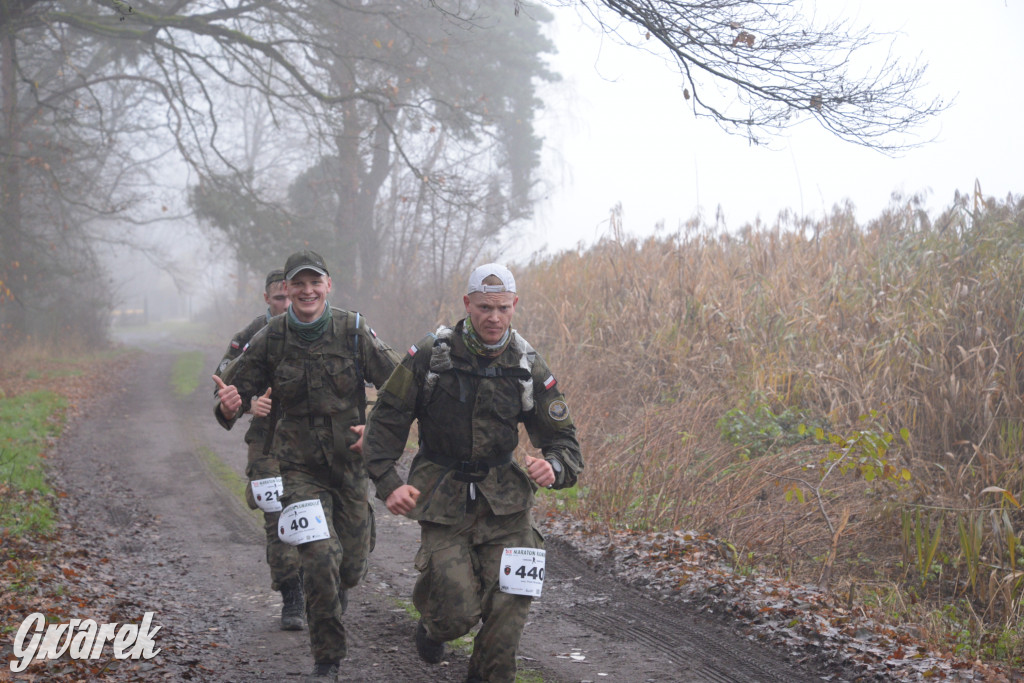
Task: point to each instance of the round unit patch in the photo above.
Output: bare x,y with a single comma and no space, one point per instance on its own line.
558,410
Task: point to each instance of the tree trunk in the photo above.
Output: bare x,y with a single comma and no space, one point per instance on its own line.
12,266
344,273
366,203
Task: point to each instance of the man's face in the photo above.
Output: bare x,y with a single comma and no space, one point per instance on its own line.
308,292
491,313
276,297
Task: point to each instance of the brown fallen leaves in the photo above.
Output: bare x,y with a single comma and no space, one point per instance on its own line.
62,580
59,574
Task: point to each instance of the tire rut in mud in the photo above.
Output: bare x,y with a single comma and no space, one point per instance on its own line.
702,647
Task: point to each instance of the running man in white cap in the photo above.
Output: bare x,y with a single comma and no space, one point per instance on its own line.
480,556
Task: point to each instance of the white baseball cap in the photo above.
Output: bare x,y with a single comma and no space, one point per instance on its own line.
476,279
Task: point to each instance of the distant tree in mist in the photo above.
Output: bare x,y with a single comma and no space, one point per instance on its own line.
74,129
452,149
407,185
93,97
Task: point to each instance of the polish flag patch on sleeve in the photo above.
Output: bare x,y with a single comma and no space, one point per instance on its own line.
413,349
550,382
234,344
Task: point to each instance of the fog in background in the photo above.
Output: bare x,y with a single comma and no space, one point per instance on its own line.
618,132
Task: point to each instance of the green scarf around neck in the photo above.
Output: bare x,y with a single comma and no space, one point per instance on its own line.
477,345
310,331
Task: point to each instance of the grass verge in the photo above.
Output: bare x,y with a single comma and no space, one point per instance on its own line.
188,368
190,333
230,480
28,425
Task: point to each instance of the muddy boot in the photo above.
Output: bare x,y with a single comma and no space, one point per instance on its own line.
323,672
430,651
293,609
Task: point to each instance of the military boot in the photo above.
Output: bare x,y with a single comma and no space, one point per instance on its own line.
430,651
293,608
323,672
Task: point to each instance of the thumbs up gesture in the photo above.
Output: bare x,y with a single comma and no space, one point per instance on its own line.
262,405
230,401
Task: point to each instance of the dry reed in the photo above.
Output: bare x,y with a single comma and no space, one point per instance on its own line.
917,321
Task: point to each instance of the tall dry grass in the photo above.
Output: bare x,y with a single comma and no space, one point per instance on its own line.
915,320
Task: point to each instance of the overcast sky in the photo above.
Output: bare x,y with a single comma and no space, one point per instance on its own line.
618,130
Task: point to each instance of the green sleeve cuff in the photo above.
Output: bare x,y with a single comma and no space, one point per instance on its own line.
387,483
221,420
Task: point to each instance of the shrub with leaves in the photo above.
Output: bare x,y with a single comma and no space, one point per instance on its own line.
760,431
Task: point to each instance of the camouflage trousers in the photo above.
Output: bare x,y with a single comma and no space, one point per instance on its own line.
337,563
458,586
282,558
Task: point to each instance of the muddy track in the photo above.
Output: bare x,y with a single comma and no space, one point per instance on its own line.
702,647
188,549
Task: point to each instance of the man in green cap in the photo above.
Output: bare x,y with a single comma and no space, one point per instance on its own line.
263,472
316,359
480,556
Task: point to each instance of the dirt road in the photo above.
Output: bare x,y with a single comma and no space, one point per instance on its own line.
141,489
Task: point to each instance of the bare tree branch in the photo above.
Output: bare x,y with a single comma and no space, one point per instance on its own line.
758,67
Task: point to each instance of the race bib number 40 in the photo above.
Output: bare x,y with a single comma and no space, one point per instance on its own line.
522,571
267,493
303,522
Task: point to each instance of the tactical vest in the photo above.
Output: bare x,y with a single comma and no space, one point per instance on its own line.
346,324
441,363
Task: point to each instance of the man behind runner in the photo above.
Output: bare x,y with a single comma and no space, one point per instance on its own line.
316,359
469,388
261,468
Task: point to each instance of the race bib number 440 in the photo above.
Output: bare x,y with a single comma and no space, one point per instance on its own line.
522,571
267,493
303,522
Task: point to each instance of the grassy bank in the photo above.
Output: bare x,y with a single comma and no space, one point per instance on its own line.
842,402
39,389
187,372
28,424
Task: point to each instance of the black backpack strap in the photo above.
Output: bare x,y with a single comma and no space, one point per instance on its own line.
352,320
491,371
275,347
469,471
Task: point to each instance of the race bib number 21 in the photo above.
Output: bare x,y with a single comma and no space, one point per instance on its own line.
522,571
303,522
267,493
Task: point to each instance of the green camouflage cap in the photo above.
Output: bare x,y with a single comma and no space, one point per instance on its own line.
304,260
276,275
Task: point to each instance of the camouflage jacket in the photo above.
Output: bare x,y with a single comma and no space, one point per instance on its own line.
258,426
469,414
318,387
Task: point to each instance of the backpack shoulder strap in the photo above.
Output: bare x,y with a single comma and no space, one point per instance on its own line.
277,331
354,326
527,356
276,337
